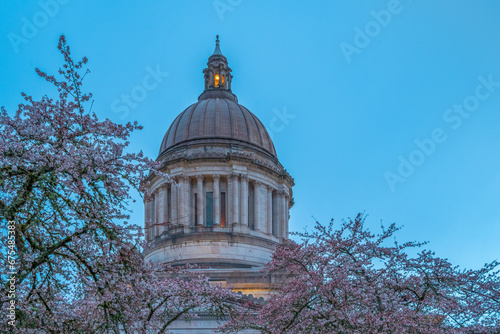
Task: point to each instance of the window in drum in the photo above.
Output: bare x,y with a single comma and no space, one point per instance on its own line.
210,208
222,209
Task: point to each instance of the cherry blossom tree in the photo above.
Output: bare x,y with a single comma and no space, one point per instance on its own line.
346,279
65,180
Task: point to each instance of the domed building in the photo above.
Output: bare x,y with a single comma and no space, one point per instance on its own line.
228,207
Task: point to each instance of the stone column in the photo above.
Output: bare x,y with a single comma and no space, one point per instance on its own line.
235,198
180,194
229,218
188,202
275,214
244,200
182,203
162,208
169,203
282,208
147,222
287,216
199,199
269,201
258,205
173,200
154,216
216,178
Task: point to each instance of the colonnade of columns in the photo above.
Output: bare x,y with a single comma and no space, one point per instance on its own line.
184,203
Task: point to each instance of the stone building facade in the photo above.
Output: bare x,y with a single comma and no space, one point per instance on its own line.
228,206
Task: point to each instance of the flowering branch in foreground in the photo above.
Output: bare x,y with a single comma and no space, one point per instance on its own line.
345,279
65,181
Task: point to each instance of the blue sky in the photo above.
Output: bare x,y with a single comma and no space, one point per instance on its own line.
387,107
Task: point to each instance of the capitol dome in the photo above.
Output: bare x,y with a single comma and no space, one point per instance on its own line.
226,205
217,118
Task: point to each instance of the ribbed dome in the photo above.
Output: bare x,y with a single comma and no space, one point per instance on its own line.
215,120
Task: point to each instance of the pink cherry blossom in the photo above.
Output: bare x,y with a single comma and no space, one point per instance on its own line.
345,279
65,179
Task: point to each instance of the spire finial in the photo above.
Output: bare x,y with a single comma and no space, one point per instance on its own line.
217,50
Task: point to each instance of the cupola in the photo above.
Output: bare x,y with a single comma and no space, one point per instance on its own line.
217,74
